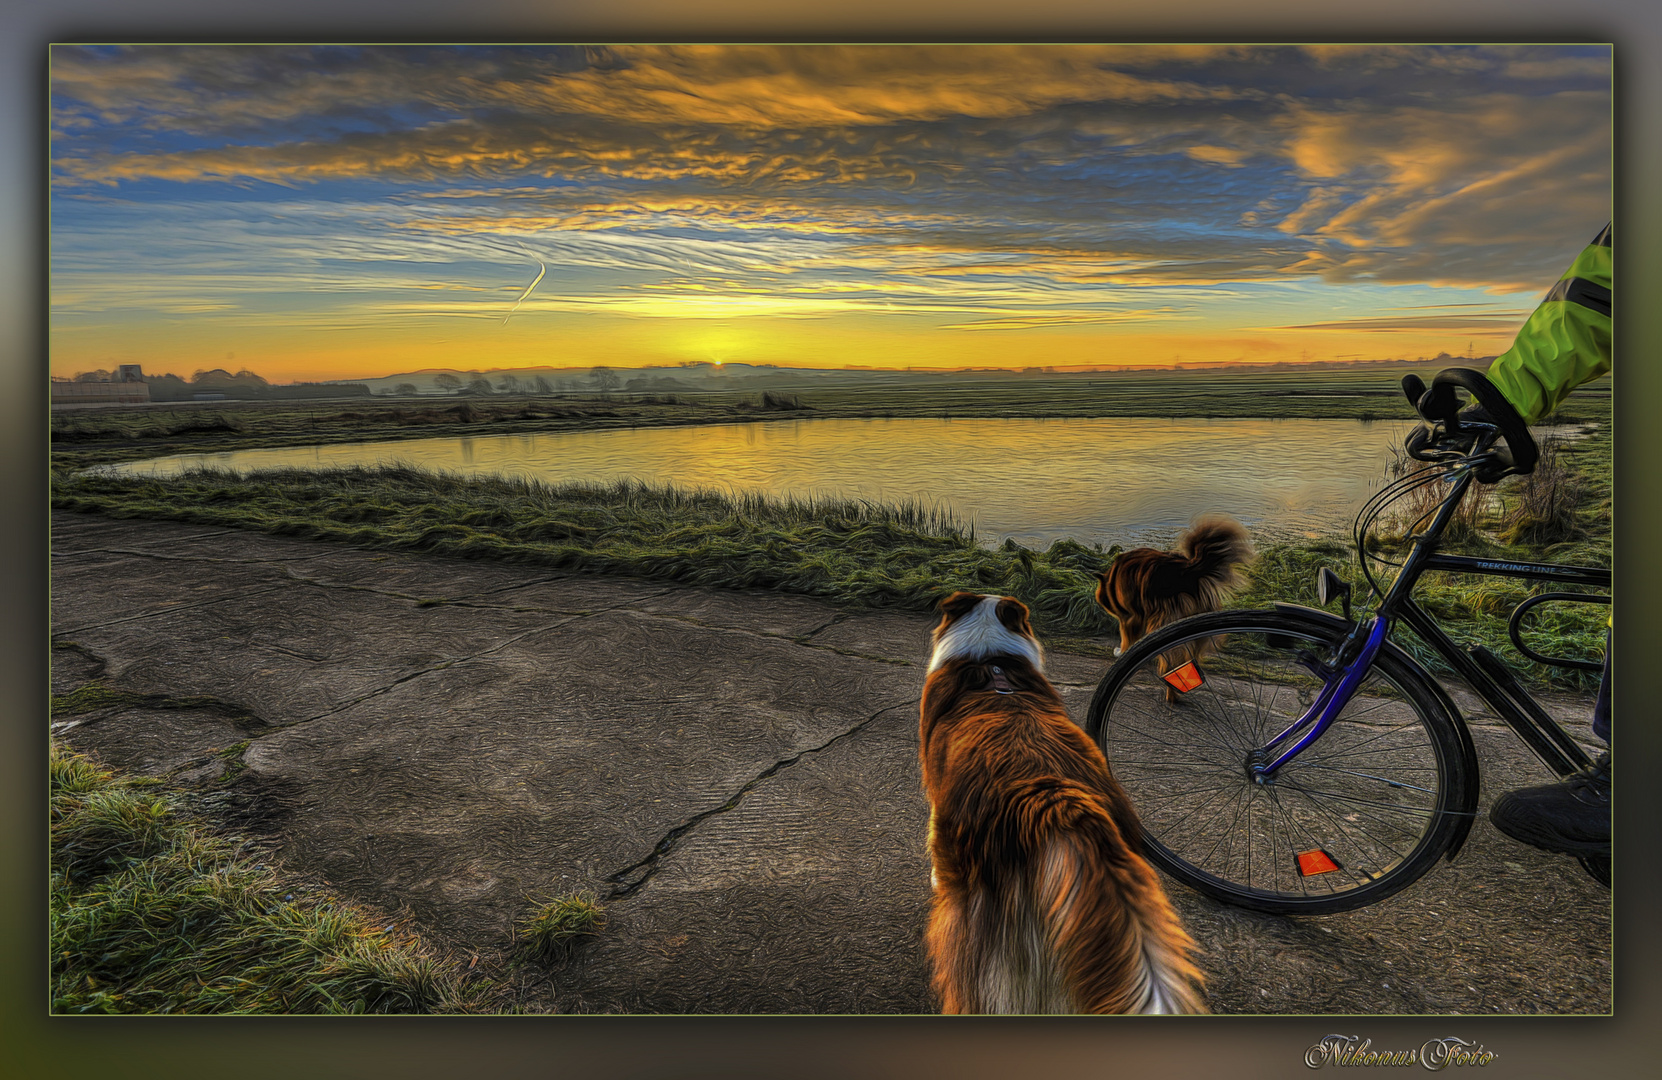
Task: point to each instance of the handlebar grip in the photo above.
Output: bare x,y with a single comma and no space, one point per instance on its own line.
1414,387
1441,404
1418,443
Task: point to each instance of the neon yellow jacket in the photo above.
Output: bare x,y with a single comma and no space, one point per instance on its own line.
1565,343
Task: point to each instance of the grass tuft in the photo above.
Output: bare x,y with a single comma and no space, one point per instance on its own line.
557,927
150,914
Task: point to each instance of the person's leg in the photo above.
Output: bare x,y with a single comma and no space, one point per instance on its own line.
1601,709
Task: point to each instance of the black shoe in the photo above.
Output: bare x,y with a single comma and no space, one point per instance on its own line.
1570,818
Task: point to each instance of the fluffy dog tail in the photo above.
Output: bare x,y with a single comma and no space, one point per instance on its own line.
1112,934
1216,547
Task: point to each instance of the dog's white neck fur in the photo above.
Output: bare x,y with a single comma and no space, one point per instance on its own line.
979,634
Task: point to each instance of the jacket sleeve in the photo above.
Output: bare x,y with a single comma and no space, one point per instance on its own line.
1566,341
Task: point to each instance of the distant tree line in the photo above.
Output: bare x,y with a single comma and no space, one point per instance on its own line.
477,384
245,385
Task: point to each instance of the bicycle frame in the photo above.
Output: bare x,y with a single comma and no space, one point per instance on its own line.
1477,665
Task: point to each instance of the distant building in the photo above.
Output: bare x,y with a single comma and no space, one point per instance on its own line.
122,390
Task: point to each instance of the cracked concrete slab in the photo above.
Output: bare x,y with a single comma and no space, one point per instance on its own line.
803,898
290,653
159,742
81,598
900,638
562,756
776,616
178,540
401,573
734,773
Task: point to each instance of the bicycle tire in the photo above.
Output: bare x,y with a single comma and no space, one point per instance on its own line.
1384,791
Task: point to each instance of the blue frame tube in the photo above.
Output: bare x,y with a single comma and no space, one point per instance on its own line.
1334,697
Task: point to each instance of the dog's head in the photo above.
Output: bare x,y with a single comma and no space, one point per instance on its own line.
973,626
1106,591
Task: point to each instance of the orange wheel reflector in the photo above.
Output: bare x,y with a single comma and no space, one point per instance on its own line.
1185,678
1311,863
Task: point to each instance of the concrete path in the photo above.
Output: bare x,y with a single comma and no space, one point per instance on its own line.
734,774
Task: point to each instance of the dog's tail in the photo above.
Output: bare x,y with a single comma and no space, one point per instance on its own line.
1216,546
1105,918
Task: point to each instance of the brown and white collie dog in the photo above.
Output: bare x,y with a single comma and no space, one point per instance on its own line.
1042,902
1145,588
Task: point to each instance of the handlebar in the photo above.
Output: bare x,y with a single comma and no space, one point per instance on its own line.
1449,437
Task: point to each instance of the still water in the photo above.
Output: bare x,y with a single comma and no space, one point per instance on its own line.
1103,480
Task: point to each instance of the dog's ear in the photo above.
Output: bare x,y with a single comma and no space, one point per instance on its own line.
1104,591
959,603
1013,614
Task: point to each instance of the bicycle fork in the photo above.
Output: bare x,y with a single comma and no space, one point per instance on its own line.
1336,694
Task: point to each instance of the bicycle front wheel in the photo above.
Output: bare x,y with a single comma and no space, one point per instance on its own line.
1358,815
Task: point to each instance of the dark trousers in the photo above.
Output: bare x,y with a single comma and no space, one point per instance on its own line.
1601,710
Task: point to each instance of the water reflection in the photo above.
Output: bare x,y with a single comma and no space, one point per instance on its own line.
1107,480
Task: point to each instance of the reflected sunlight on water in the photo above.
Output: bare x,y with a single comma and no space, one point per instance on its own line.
1106,480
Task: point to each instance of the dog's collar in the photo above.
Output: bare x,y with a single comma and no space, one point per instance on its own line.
1000,683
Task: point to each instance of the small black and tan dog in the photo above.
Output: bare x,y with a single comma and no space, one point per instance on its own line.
1146,588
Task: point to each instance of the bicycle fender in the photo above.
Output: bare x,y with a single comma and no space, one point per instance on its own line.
1467,803
1468,800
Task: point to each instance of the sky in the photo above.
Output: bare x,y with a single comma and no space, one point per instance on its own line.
314,213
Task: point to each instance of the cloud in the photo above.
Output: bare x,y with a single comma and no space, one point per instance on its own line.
1387,324
1494,188
751,86
1032,321
1093,179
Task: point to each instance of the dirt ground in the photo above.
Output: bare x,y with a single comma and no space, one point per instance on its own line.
733,774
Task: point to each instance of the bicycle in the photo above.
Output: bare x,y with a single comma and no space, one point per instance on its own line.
1294,761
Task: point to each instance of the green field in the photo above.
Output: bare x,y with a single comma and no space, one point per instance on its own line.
84,437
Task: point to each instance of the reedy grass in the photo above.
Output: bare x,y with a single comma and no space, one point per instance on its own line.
853,552
152,914
1470,608
557,926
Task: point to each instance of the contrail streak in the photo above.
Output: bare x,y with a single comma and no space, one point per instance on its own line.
542,268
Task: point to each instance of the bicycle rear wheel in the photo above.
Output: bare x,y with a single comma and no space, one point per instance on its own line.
1358,815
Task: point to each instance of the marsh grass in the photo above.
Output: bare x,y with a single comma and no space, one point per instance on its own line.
1545,507
1473,609
1419,504
558,926
852,552
778,402
152,427
152,914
